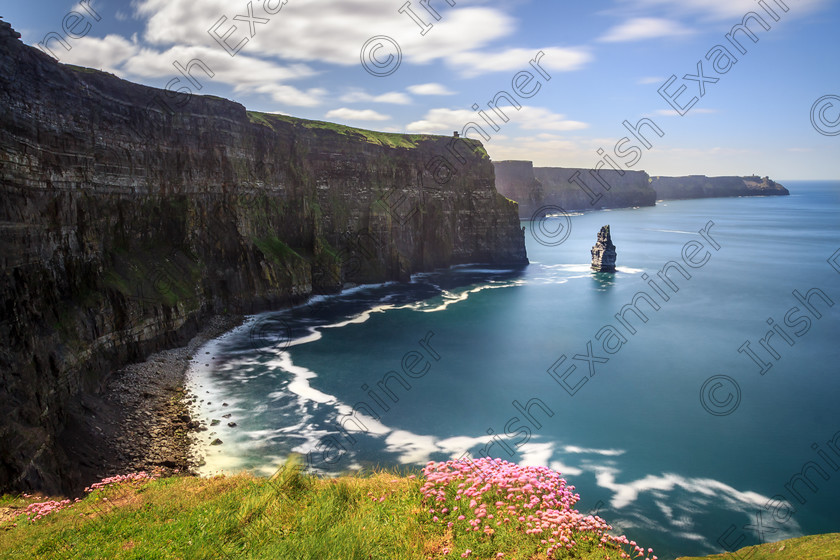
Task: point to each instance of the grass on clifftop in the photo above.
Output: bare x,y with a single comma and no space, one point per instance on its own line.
484,509
815,547
387,139
292,515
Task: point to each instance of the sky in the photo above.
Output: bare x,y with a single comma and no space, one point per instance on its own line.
574,77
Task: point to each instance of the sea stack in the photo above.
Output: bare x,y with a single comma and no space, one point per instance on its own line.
603,253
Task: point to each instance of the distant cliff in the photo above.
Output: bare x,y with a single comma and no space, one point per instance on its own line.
129,215
585,189
700,186
571,189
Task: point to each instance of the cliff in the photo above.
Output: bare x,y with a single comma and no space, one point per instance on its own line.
570,188
700,186
130,215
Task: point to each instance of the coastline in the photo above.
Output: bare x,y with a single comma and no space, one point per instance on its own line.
141,420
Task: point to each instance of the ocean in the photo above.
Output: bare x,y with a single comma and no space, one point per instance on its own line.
691,397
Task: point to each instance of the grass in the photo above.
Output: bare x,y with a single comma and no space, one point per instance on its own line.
86,70
275,250
815,547
380,515
387,139
156,276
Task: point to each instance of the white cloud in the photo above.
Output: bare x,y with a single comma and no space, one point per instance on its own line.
442,120
539,118
246,74
554,59
106,54
287,95
358,96
322,30
334,32
637,29
429,89
240,71
345,114
545,150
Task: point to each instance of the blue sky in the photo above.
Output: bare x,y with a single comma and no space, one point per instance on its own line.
606,59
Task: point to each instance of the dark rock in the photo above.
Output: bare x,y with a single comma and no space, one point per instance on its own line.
603,253
216,441
232,424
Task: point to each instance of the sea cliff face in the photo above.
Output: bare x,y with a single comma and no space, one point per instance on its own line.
129,216
700,186
535,188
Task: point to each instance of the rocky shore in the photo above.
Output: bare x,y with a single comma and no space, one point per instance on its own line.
141,421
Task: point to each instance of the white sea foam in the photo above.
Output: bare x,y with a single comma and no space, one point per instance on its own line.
671,231
299,383
592,450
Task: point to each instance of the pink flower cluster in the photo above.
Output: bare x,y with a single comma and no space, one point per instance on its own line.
141,476
37,510
482,495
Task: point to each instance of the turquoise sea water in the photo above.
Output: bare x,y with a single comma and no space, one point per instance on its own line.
670,433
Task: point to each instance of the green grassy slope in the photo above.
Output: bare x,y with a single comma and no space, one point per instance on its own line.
380,515
814,547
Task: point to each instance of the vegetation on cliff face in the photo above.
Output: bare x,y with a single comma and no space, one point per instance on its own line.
483,509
